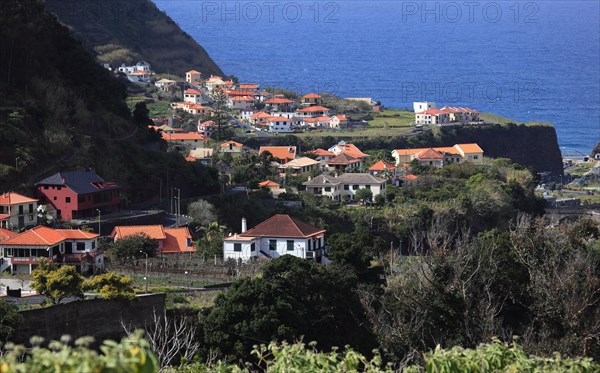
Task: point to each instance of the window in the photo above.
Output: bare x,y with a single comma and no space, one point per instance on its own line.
20,209
253,246
30,217
237,247
272,245
31,208
354,187
68,199
346,187
55,198
328,189
80,246
93,245
475,157
309,244
290,245
367,187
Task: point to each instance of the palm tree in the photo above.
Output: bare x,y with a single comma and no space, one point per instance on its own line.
212,231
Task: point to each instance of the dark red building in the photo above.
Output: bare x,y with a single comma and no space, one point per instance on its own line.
79,194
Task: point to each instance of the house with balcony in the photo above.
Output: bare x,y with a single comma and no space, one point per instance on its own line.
192,95
79,194
279,104
17,211
279,235
344,186
170,240
313,112
278,124
21,253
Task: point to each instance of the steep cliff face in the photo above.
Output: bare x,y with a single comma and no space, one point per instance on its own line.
125,31
533,146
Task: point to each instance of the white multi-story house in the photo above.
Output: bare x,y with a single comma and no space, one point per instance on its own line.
438,157
279,235
279,124
22,253
347,184
192,95
193,77
17,211
419,107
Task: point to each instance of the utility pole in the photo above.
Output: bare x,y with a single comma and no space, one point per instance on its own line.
99,221
178,205
146,278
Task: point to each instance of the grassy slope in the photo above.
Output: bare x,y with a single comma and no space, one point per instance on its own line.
129,30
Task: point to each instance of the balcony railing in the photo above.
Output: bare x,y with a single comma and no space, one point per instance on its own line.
26,259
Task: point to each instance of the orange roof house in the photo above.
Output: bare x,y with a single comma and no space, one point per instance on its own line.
269,184
23,251
170,240
449,154
6,234
283,153
17,210
381,166
350,149
185,138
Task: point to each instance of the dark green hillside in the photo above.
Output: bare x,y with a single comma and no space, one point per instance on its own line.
125,31
60,110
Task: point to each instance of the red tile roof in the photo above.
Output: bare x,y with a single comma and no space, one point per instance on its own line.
155,232
269,184
311,96
312,109
248,86
192,91
12,198
430,154
278,100
381,166
343,159
4,217
193,72
322,153
409,177
278,119
260,114
284,153
342,118
189,158
352,150
177,240
183,136
37,236
284,226
77,234
243,98
6,234
235,144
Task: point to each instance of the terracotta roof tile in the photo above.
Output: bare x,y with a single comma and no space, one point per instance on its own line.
37,236
381,166
281,225
284,153
269,184
178,240
12,198
155,232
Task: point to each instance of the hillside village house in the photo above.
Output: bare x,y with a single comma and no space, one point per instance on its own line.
192,139
232,147
193,77
343,162
249,86
279,104
192,95
283,153
336,187
191,108
323,155
165,84
79,194
347,148
447,115
216,82
313,112
311,99
240,102
17,211
140,66
299,166
139,76
202,155
438,157
279,235
279,124
338,121
318,122
22,252
170,240
259,118
269,184
419,107
382,168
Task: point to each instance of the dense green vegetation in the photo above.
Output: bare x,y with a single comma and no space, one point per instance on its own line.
123,31
61,110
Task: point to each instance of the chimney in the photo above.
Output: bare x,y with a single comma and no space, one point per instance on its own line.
244,225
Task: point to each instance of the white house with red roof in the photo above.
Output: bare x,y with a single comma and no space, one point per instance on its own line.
440,156
17,211
22,252
338,121
318,122
241,102
313,112
192,139
311,99
277,236
192,95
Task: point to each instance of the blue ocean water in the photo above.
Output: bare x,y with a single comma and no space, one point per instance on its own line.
527,60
